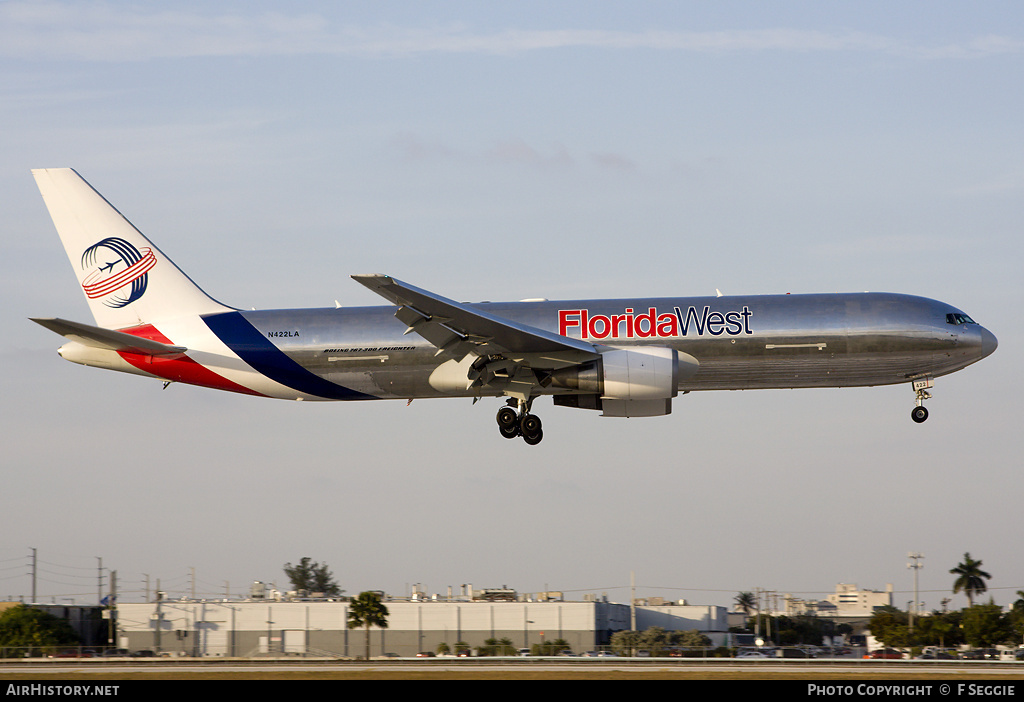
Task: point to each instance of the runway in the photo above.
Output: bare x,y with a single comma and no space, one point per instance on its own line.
510,669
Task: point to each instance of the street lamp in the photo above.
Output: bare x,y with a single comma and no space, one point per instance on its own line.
915,566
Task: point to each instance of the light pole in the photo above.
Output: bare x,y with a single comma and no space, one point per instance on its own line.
915,566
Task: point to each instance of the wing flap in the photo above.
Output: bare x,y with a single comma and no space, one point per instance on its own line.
98,337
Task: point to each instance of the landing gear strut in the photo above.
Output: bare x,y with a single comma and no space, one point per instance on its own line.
921,388
514,419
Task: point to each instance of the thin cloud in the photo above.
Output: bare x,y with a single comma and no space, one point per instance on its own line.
615,162
519,152
107,32
412,147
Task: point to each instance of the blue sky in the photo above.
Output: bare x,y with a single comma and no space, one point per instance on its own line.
489,151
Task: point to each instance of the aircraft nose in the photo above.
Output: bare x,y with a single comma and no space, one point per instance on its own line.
988,342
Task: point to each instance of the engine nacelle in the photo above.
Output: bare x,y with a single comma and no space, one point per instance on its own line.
640,374
634,382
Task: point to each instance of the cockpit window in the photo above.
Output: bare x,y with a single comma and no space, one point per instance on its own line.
958,318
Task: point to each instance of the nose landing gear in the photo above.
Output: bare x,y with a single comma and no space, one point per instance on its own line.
513,422
921,388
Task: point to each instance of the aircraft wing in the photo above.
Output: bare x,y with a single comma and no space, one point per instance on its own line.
458,329
99,337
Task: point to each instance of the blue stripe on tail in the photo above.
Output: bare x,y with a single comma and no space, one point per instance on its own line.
260,353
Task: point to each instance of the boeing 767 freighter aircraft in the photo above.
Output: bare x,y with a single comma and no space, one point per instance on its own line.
625,358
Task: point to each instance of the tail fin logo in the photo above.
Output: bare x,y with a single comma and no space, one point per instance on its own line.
119,272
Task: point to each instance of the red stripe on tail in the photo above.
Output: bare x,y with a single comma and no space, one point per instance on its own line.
179,368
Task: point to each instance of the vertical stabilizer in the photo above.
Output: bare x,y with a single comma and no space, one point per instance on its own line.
125,278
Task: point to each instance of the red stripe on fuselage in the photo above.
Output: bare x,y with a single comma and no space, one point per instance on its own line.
179,368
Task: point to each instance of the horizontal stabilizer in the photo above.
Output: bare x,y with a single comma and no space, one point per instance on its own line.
101,338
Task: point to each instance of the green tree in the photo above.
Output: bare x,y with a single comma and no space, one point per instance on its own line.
890,626
800,629
497,647
625,643
550,647
970,578
654,640
1017,622
940,629
986,626
1019,602
365,611
691,639
24,626
310,576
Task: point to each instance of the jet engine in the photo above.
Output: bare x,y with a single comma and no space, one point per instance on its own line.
634,382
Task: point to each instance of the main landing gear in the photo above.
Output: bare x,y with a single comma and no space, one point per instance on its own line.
514,419
921,388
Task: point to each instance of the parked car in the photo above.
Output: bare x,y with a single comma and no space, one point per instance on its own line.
885,653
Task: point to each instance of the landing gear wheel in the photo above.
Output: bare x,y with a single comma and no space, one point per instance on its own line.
530,428
921,387
515,419
530,425
535,439
507,417
508,422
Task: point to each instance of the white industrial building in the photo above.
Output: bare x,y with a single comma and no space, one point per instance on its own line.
260,627
850,601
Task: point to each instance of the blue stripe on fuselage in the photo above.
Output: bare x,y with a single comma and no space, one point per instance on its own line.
260,353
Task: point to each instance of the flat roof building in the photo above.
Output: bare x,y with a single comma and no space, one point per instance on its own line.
253,627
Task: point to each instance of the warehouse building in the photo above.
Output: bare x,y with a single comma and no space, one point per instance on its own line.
319,628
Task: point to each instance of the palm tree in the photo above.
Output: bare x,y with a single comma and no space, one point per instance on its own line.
971,578
745,602
365,611
1019,603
